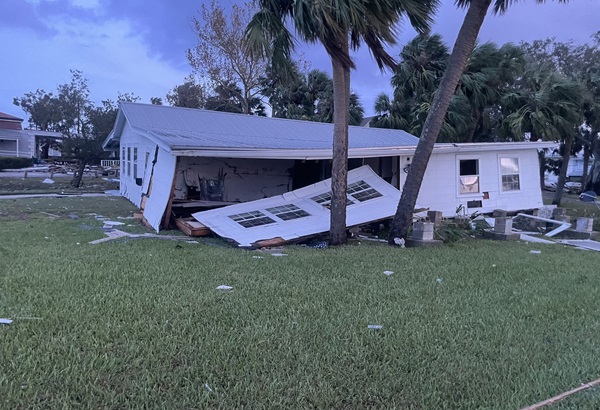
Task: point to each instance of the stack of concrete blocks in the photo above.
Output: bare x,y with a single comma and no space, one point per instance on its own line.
502,230
422,234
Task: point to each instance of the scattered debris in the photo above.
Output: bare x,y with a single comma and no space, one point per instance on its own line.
208,388
563,226
279,254
562,396
535,251
117,234
400,242
438,280
73,216
493,266
50,215
534,239
224,287
112,223
5,321
388,272
583,244
376,327
48,181
372,239
258,257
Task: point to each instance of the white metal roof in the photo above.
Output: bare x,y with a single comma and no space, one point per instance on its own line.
195,132
304,211
186,129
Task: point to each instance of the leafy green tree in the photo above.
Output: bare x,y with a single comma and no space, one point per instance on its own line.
339,26
547,105
465,42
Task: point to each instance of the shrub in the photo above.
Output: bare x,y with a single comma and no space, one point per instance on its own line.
15,163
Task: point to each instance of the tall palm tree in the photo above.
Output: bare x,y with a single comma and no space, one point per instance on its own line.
546,104
339,25
465,42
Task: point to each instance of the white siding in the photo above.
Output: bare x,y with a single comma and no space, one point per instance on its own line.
440,190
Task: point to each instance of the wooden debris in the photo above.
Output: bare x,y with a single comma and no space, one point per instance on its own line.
562,396
191,227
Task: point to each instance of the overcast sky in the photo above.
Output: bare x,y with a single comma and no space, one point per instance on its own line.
139,46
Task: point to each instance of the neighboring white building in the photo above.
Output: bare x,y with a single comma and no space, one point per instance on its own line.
17,142
174,157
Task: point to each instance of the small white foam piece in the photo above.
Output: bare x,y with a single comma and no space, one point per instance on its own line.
279,254
535,251
113,223
376,327
4,321
388,272
47,181
438,280
224,287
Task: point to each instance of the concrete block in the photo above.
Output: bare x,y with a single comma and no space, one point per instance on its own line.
435,217
423,231
503,225
584,225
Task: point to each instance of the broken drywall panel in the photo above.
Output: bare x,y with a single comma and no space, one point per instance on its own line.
232,180
162,179
304,211
534,239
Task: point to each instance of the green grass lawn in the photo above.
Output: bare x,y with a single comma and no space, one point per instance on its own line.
139,323
62,184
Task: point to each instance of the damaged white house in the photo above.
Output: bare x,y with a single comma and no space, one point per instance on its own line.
177,160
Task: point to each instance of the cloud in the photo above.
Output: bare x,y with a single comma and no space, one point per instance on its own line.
112,55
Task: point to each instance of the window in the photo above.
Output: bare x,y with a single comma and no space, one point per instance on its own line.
123,160
325,200
135,155
128,161
288,212
252,219
361,191
509,170
469,176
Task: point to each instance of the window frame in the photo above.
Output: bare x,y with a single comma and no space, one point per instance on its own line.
459,176
501,174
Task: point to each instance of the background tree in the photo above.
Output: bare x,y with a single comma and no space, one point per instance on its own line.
306,96
339,27
189,94
465,42
222,58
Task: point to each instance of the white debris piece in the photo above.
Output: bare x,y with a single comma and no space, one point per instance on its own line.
376,327
224,287
112,223
4,321
388,272
535,251
48,181
279,254
438,280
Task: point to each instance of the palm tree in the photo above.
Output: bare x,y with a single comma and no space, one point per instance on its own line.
339,26
465,42
546,104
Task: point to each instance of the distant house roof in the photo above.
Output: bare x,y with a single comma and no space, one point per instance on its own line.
186,130
366,122
10,122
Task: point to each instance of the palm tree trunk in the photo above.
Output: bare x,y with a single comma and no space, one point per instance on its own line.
465,42
339,167
562,174
586,163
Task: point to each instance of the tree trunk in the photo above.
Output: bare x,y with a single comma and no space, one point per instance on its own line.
465,42
594,177
586,163
542,164
339,167
76,181
562,174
